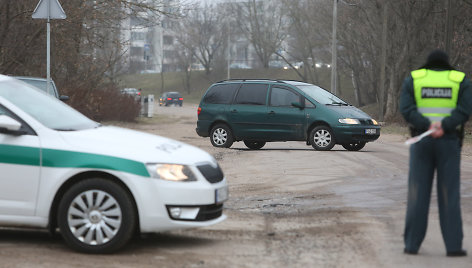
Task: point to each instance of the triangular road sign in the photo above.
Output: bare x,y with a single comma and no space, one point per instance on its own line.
54,8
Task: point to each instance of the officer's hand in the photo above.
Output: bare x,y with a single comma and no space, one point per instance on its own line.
439,132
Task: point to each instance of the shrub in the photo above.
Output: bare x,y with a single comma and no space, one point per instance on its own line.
106,104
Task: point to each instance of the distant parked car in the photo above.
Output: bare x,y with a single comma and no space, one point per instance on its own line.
239,66
41,83
132,92
169,98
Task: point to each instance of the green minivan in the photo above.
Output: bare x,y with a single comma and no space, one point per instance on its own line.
257,111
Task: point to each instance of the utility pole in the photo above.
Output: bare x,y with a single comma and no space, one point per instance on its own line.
449,26
383,62
229,53
334,48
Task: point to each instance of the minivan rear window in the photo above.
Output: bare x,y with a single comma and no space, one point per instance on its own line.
252,94
221,94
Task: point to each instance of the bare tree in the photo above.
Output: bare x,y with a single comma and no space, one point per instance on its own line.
203,33
185,58
309,36
414,28
264,24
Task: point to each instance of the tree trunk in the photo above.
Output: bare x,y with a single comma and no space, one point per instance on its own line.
355,85
392,97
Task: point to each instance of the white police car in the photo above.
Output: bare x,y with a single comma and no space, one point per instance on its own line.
97,184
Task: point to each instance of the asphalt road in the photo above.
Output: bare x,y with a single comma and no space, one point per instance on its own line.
289,206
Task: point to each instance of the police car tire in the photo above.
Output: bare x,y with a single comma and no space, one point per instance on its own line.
221,136
354,146
328,141
118,195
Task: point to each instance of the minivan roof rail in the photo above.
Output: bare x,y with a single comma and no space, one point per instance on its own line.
251,79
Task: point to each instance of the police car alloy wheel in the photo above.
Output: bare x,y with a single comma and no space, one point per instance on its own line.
322,138
96,216
221,136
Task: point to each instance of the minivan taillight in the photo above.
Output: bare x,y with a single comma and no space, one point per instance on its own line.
169,98
199,110
181,98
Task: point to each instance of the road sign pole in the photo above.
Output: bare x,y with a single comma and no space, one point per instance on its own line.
48,9
48,57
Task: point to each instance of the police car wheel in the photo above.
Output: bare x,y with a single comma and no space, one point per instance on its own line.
221,136
356,146
322,138
254,145
96,216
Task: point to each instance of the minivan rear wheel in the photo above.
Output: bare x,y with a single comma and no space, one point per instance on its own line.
354,146
322,138
254,145
96,216
221,136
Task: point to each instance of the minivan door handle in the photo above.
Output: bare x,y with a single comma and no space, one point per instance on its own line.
271,113
234,111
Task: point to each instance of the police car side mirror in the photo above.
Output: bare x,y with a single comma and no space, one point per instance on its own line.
9,125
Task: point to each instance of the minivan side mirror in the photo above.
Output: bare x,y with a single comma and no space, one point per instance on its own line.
64,98
9,125
298,105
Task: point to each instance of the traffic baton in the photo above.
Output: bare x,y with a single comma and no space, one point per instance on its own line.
416,139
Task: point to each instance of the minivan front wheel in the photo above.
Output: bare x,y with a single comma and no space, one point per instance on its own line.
221,136
355,146
322,138
96,216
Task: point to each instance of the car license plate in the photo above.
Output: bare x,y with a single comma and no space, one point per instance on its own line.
371,131
221,194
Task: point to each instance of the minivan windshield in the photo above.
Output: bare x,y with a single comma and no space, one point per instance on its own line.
48,110
321,95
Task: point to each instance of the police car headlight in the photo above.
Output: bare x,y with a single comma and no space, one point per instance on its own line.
171,172
349,121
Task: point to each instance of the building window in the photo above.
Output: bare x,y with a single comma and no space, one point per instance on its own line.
137,36
168,40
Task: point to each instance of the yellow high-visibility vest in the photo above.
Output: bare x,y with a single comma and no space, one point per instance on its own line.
436,92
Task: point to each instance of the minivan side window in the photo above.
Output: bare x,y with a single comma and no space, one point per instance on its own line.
221,94
254,94
282,97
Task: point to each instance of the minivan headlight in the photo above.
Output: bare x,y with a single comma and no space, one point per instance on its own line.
171,172
374,122
349,121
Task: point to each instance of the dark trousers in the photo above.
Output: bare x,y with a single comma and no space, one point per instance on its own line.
426,156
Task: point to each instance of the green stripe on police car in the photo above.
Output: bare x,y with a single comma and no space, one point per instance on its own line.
21,155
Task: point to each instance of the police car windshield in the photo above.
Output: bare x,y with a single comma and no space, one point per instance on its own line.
48,110
321,95
41,84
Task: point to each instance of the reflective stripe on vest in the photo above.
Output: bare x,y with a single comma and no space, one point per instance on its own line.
436,92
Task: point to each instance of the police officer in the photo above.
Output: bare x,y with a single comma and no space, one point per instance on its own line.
440,98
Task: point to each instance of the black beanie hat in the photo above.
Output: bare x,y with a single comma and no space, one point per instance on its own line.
438,59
